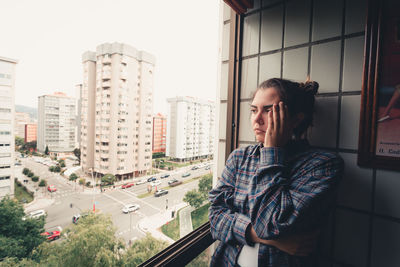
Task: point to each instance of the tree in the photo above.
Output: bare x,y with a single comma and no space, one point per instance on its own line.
30,174
25,171
35,178
62,163
73,177
108,179
46,151
57,168
19,142
205,185
142,250
18,237
30,146
91,242
77,153
42,183
194,198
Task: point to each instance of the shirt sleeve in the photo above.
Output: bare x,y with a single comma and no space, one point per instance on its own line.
284,201
227,225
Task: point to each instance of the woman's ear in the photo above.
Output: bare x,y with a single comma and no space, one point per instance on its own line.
298,118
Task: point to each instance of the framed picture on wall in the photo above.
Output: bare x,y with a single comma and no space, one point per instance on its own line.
379,137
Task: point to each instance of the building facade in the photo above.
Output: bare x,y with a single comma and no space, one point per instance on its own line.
7,110
159,133
78,90
56,123
30,132
190,128
21,118
116,111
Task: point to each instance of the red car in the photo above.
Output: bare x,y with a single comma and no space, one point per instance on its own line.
52,188
50,236
127,185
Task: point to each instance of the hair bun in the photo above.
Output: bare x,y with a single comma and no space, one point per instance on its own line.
310,86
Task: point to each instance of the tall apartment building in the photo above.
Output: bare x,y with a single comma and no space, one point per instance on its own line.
21,118
190,128
30,132
159,133
116,111
78,90
56,123
7,110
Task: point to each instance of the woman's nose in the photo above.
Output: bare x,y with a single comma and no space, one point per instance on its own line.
259,118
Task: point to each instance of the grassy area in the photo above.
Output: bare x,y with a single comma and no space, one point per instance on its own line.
200,216
172,229
20,194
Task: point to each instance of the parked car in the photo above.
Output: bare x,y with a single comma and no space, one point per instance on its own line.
155,183
130,207
208,167
194,168
51,188
76,217
50,236
164,176
151,179
142,181
160,192
37,214
186,174
124,186
174,182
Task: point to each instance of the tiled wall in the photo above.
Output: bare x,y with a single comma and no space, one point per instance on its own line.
323,39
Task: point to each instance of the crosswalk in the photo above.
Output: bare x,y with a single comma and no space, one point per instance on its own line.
64,193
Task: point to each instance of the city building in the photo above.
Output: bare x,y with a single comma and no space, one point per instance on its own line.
190,128
56,124
78,90
30,132
159,133
116,111
7,110
21,118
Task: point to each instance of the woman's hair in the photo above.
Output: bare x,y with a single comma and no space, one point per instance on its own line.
299,97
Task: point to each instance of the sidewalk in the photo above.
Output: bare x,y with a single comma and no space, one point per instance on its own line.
185,221
153,223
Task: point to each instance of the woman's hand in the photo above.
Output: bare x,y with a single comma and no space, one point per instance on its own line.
297,245
279,129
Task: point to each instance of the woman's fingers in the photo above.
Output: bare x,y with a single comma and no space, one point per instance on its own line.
276,117
282,118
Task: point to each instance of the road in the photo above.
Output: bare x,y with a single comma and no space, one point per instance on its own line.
111,201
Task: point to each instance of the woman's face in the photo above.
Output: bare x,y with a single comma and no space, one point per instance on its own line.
262,103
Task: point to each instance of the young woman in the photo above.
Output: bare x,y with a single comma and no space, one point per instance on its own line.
273,197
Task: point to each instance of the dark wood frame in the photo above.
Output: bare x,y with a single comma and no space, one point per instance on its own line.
369,96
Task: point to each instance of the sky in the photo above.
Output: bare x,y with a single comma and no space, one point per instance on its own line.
48,38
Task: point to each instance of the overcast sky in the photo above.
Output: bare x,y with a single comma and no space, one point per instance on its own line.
48,38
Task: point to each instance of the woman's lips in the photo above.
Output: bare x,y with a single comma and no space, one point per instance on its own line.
258,131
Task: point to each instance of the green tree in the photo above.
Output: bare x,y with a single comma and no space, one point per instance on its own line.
82,181
42,183
57,168
205,185
35,178
73,177
142,250
108,179
19,142
92,242
51,168
194,198
62,163
46,151
25,171
30,146
18,237
30,174
77,153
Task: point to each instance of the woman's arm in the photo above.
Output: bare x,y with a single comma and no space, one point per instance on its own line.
227,225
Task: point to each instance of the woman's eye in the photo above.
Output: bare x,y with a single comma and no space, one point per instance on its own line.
253,111
267,110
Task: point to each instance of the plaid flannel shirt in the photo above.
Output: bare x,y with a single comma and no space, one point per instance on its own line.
279,191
